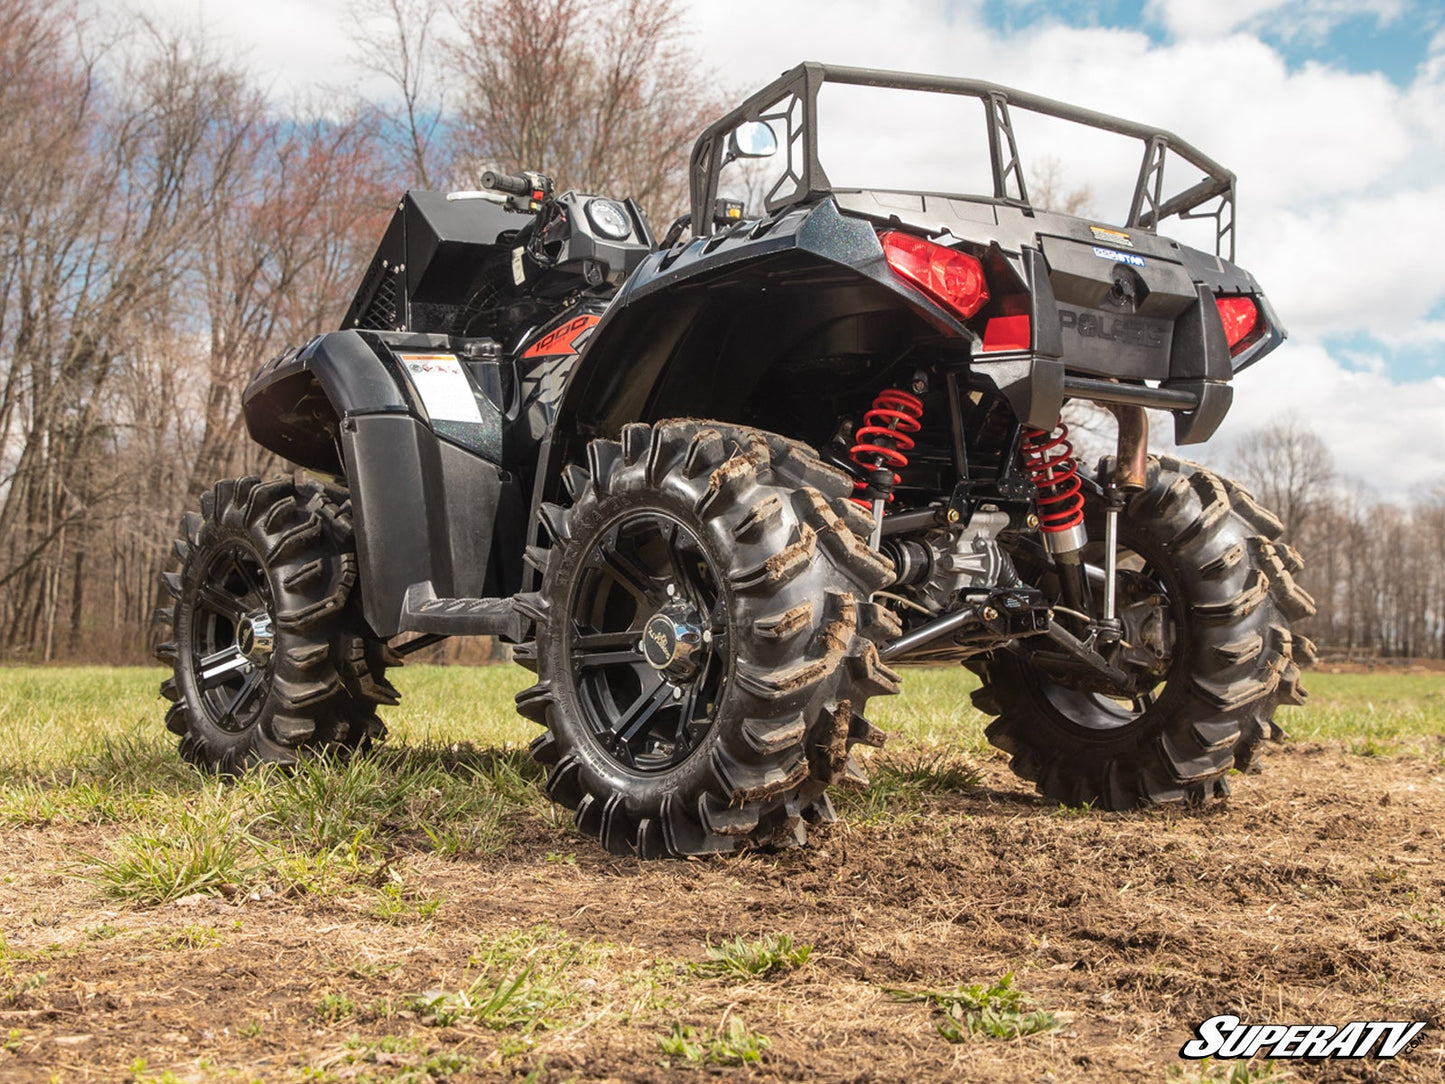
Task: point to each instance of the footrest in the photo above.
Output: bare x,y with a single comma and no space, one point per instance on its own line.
423,611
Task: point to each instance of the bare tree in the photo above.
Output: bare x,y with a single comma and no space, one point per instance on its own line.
1049,191
160,236
1289,468
97,204
396,39
599,96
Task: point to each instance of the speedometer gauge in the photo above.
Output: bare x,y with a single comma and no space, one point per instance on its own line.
609,218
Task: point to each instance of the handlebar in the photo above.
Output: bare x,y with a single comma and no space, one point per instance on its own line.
515,184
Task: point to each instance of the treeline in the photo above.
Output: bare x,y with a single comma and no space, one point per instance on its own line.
1375,567
164,229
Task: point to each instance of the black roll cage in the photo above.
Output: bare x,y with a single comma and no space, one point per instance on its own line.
792,100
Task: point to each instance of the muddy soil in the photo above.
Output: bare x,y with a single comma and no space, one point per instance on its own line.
1315,895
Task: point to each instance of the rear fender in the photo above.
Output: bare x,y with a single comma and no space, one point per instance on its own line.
694,330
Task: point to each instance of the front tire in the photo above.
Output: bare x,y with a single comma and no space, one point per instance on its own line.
1213,597
705,646
272,657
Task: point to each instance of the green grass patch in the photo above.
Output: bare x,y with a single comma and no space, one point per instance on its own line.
754,959
996,1011
193,937
396,904
522,983
87,746
333,1007
934,710
207,848
399,1060
734,1043
1376,714
904,778
1210,1071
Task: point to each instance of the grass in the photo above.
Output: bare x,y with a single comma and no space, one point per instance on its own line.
904,780
99,728
997,1011
85,746
522,983
733,1043
402,1061
754,959
1235,1072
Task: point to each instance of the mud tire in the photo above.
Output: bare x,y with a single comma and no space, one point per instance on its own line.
793,578
1236,659
284,549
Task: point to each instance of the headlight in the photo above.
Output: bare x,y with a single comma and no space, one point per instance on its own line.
609,218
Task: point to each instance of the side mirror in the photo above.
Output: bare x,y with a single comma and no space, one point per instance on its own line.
755,139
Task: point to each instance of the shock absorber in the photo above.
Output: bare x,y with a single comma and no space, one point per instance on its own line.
881,442
1049,460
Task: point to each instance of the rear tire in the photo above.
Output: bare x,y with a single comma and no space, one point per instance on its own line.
737,551
272,657
1228,590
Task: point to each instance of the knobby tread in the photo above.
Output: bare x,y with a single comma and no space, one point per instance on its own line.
797,580
327,672
1237,663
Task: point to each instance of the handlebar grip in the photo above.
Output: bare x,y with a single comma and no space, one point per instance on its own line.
513,183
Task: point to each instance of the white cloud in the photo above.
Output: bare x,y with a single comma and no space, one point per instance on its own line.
294,48
1309,19
1380,432
1191,19
1370,264
1423,334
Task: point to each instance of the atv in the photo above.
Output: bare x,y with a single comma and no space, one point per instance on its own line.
717,490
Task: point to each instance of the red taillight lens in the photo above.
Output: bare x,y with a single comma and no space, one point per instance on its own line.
945,274
1006,333
1240,316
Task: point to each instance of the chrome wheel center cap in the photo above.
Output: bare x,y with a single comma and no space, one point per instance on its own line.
669,642
255,638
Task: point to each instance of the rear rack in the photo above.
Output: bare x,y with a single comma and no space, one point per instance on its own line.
791,102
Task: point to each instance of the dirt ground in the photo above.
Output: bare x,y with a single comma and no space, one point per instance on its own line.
1314,895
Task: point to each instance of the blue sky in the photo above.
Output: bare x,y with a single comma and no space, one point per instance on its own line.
1331,113
1393,39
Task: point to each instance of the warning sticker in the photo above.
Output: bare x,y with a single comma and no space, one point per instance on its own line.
1113,237
443,387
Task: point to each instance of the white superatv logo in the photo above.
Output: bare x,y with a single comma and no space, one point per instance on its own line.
1225,1037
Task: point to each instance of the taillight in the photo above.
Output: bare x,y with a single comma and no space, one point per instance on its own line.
1006,333
944,274
1240,316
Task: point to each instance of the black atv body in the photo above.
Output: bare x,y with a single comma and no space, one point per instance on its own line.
436,433
715,489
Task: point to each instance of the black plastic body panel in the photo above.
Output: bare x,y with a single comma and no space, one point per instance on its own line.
427,261
695,330
423,511
294,404
425,493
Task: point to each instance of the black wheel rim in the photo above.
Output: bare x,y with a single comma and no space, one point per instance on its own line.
1140,582
648,641
232,637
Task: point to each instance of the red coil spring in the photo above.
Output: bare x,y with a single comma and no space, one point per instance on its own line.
1049,459
883,437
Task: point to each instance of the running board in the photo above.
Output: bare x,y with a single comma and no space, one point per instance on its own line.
422,611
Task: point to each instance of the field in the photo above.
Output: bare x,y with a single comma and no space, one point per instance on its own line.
425,914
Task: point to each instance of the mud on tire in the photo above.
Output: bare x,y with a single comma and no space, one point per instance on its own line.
271,654
1233,594
740,547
